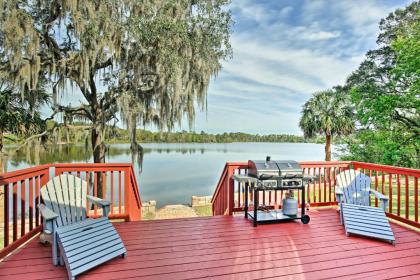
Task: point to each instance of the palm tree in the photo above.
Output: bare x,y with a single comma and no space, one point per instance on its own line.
327,113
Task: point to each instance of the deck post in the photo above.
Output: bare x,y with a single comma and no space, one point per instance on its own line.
231,192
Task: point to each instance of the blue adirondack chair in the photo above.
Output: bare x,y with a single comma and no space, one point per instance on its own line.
353,194
78,242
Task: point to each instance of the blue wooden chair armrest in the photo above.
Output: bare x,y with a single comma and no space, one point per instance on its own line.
49,227
339,194
46,213
104,204
384,199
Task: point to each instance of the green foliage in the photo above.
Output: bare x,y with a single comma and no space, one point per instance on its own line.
15,115
192,137
385,91
11,112
379,146
327,113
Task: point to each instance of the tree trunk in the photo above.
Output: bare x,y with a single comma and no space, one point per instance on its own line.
98,146
327,147
99,150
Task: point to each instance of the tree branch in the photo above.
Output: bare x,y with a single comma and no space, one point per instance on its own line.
30,138
81,111
104,64
408,122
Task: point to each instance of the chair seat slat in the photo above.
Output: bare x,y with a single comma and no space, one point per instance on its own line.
98,261
84,256
367,221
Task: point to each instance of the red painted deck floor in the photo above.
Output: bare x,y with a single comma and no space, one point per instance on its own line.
230,248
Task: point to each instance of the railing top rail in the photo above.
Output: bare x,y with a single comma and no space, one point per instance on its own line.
239,164
325,163
23,172
387,168
91,165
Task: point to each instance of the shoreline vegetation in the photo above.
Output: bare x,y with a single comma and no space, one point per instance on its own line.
78,133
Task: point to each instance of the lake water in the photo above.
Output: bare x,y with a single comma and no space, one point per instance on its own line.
172,173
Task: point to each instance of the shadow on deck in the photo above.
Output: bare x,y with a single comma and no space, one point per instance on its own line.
226,247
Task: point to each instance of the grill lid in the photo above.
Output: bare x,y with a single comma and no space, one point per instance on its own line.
269,169
289,168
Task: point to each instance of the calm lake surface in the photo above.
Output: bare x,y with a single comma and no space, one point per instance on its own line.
172,173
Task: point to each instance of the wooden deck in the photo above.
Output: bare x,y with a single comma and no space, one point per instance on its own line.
227,247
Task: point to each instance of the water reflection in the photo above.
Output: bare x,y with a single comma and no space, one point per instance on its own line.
170,173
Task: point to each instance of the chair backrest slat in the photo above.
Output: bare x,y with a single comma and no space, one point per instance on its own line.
50,200
66,196
355,187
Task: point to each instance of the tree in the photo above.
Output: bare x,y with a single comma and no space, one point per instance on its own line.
161,52
327,113
385,90
15,115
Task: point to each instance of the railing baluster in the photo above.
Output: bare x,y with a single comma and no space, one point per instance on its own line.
407,198
22,207
376,187
325,185
103,185
112,191
239,189
6,214
15,223
383,182
398,195
319,185
87,190
31,202
314,195
95,190
119,191
126,192
416,199
329,184
390,193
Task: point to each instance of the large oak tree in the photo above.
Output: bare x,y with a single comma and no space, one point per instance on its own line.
158,54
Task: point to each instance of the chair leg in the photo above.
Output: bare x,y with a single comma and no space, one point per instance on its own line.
61,260
54,250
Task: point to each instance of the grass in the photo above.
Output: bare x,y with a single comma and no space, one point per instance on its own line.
148,216
203,210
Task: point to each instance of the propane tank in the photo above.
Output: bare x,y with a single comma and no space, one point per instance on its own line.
290,204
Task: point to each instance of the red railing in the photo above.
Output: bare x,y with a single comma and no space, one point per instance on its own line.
400,184
19,196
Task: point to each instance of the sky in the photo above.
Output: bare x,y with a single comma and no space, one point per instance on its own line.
283,51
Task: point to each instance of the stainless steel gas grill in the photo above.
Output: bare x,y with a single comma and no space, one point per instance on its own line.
269,175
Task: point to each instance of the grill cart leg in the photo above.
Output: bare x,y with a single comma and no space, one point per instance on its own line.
303,202
255,206
305,218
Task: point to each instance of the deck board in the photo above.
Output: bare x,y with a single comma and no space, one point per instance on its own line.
230,248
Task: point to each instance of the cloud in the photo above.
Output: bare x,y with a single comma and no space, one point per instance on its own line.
320,35
283,52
